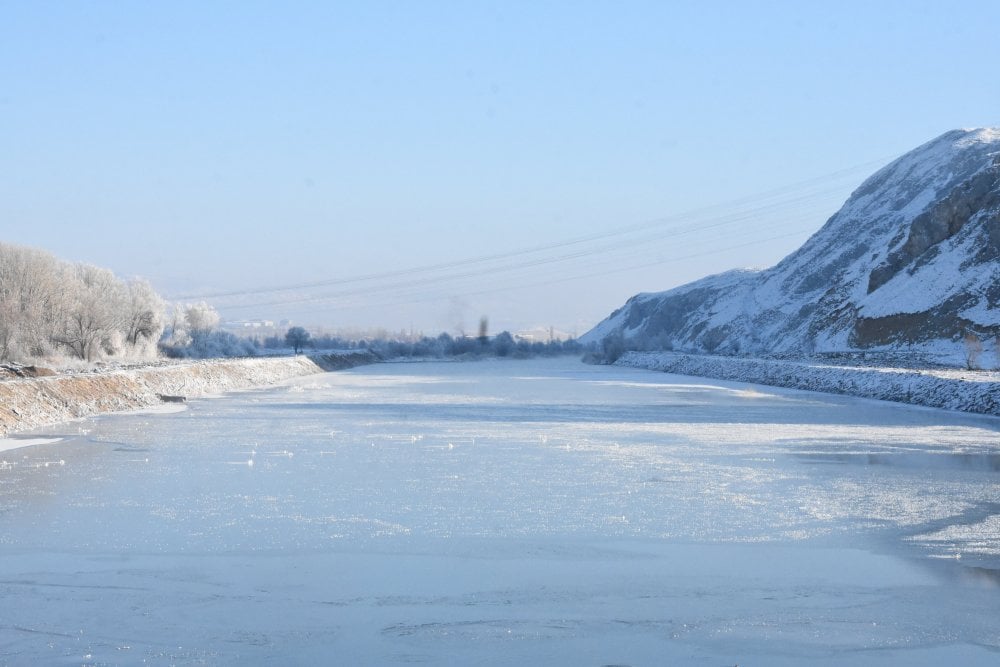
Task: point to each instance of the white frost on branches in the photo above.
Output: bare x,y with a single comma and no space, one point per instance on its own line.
48,307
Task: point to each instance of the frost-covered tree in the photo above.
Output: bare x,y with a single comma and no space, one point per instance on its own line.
175,332
95,314
144,318
33,291
200,318
973,349
49,307
192,333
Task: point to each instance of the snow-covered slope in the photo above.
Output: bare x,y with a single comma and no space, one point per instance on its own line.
34,402
911,261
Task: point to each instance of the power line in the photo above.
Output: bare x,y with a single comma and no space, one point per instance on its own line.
418,298
688,217
533,262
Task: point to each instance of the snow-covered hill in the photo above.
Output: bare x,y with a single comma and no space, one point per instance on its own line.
910,262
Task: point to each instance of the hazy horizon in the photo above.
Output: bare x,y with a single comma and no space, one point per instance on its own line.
421,166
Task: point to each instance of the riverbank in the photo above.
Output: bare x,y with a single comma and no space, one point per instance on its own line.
32,402
967,391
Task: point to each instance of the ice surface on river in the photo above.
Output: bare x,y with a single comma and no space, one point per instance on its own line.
540,512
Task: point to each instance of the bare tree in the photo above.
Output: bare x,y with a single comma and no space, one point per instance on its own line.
973,349
484,330
297,337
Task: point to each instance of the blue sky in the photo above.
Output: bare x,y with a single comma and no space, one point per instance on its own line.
225,147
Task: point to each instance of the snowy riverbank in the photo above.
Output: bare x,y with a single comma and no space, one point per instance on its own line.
30,403
968,391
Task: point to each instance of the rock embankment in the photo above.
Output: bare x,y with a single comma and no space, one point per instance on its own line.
32,402
952,390
338,361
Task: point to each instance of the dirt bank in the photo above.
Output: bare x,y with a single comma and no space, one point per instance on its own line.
33,402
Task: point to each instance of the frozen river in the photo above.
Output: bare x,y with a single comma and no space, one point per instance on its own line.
506,513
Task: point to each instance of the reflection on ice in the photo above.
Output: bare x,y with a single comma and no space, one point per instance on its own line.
980,537
930,461
506,513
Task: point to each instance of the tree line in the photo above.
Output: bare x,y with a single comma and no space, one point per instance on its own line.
52,308
504,344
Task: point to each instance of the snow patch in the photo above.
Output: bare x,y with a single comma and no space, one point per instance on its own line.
7,444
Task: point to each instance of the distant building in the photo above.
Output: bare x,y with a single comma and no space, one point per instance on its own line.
541,335
249,324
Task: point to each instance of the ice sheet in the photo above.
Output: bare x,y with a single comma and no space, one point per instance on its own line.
538,512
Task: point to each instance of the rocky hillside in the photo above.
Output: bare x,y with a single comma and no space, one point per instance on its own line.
911,262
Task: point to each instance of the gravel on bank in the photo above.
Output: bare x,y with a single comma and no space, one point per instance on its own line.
968,391
32,402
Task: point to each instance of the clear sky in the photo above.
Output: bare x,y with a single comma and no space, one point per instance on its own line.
422,164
